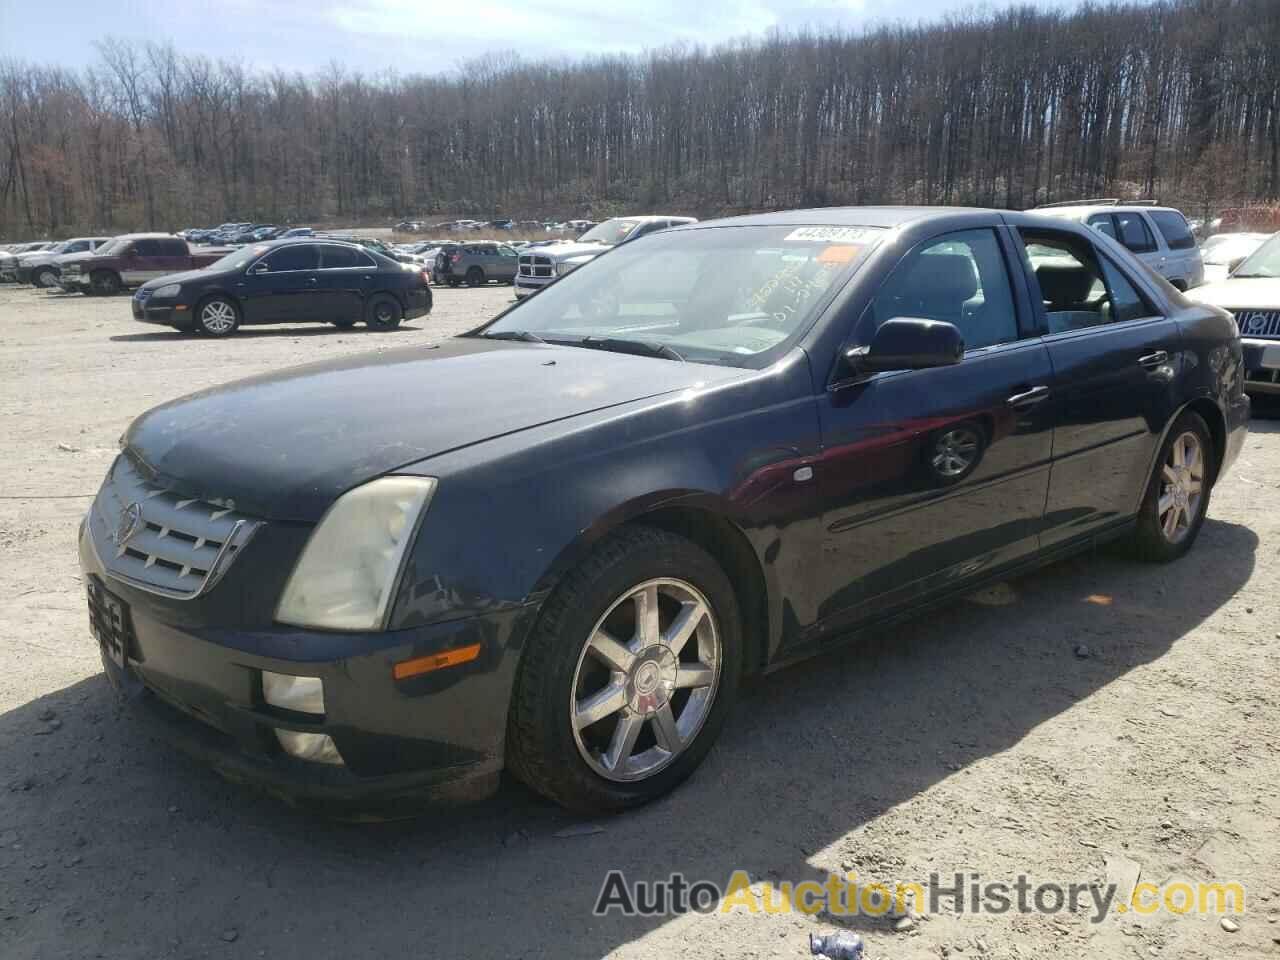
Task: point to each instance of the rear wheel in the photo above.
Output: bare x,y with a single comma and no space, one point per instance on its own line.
384,313
475,277
217,317
104,283
629,675
1177,497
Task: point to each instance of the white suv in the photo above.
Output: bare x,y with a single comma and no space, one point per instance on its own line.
1158,236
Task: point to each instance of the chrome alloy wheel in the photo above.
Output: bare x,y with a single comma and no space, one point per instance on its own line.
217,316
1181,486
954,452
642,690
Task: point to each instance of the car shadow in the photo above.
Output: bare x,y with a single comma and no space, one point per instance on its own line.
256,332
172,855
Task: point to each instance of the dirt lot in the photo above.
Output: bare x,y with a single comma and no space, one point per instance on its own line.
976,741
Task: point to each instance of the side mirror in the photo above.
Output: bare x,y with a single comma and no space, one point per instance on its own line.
908,343
1233,265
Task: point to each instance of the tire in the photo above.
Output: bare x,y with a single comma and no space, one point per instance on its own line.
383,313
217,317
475,277
44,278
104,283
1158,538
562,669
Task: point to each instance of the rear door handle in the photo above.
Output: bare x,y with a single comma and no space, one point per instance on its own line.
1028,398
1154,359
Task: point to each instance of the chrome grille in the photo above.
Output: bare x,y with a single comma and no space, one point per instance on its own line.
533,265
1258,323
160,540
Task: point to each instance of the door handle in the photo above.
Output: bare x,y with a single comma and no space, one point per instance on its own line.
313,280
1028,398
1154,359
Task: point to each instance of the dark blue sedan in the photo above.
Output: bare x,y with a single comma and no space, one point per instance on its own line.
288,281
699,456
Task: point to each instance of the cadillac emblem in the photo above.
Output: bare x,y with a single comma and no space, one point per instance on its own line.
127,524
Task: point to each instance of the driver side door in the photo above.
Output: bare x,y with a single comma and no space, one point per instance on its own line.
932,476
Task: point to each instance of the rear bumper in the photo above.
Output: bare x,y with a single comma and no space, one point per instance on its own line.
435,738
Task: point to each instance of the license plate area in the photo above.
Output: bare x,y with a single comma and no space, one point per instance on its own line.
109,622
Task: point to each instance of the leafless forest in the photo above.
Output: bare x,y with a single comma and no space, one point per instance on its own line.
1178,99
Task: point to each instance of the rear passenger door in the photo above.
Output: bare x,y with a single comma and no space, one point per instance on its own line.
1185,269
346,275
173,256
1115,359
505,266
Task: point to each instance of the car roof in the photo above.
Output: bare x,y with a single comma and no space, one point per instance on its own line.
842,216
146,236
1086,209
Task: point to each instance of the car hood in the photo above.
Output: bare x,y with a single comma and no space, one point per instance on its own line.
76,257
169,278
1244,293
564,251
285,445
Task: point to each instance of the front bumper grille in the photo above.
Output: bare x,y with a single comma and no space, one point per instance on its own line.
1258,323
533,265
162,541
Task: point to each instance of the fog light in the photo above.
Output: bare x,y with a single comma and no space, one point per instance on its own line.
300,694
316,747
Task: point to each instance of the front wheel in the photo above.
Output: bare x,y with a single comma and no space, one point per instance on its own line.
1177,497
218,317
45,278
104,283
629,675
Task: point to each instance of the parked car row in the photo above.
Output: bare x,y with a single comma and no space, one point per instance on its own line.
502,223
235,234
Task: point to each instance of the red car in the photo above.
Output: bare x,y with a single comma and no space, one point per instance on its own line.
131,260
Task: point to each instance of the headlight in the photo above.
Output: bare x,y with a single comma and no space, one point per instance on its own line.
168,290
568,266
348,569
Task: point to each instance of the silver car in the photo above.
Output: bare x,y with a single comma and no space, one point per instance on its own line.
1158,236
475,264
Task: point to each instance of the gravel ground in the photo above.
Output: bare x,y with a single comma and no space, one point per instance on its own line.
1097,711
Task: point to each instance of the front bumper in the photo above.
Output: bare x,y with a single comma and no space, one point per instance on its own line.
527,286
23,274
1261,364
437,737
164,313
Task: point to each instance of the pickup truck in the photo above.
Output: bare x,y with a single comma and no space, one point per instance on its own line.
130,261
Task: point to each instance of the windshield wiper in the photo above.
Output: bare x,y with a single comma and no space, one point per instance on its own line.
523,335
1252,276
640,348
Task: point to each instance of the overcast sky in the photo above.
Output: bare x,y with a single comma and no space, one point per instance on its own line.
420,36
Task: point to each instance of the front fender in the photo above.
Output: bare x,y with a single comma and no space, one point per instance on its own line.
511,516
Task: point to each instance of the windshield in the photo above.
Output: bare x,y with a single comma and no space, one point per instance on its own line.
238,259
729,295
1263,262
1227,247
112,247
612,232
59,247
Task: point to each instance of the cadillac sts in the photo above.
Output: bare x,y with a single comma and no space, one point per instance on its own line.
558,544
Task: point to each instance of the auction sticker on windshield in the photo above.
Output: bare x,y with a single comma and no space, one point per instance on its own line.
833,235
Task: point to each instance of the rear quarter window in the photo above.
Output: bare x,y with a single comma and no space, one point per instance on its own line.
1173,227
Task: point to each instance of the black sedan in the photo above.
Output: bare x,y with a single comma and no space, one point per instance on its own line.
287,281
700,456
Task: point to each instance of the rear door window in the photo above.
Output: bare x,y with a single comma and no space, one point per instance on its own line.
173,248
146,248
341,258
1173,227
301,256
1134,232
